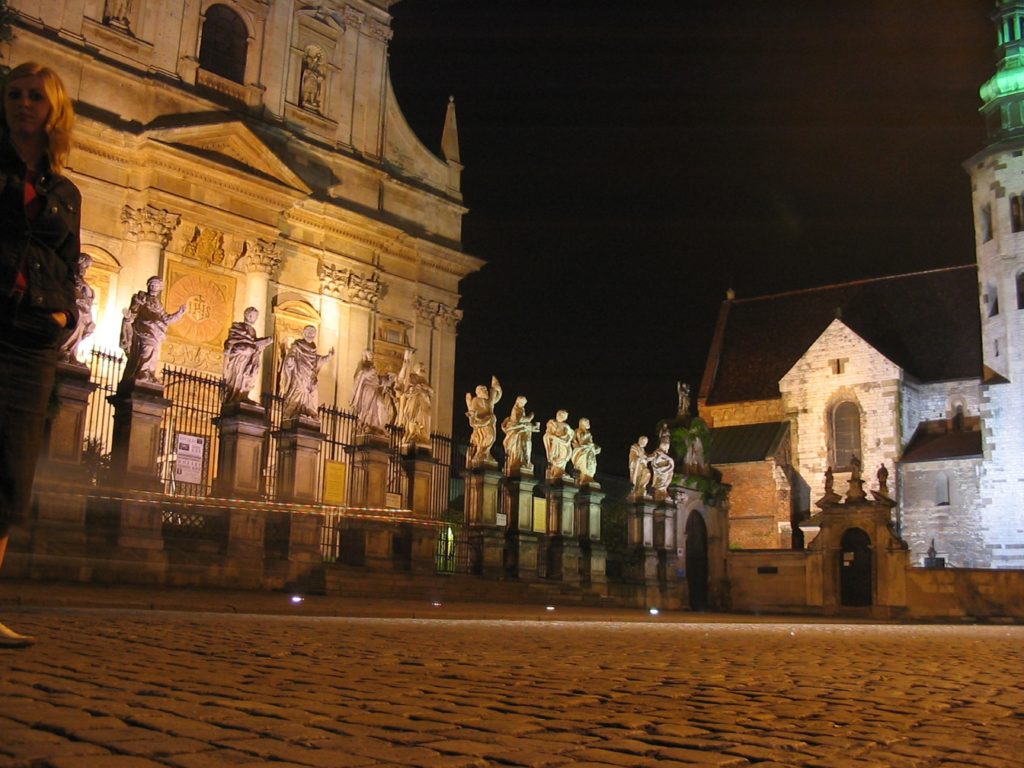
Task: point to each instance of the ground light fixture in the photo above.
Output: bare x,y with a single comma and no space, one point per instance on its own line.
297,599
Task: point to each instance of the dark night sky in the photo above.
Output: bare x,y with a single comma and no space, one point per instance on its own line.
625,164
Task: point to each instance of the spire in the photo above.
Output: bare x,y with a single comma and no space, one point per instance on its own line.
450,136
1003,95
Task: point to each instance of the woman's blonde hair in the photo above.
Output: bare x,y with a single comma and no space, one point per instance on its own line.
62,113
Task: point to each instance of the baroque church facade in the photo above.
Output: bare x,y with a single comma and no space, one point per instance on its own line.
252,153
919,376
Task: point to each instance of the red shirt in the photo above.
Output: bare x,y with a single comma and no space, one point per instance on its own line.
33,205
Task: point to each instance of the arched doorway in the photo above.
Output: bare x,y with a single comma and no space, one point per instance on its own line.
697,561
855,568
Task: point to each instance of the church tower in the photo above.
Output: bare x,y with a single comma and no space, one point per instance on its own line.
997,181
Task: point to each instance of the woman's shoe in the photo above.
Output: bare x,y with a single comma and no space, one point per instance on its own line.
11,639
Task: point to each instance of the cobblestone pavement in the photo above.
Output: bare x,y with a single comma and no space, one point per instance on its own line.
129,689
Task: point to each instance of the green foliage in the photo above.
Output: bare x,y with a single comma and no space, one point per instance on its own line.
683,435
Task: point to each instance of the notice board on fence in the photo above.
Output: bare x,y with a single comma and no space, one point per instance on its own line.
188,458
334,482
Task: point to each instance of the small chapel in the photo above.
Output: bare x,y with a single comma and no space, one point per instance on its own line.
919,377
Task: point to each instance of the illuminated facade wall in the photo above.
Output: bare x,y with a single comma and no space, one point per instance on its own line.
253,153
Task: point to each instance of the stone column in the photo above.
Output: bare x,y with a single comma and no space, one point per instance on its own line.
58,527
298,459
435,333
263,263
373,452
359,296
487,530
594,554
640,533
138,411
151,228
243,429
563,549
523,541
419,471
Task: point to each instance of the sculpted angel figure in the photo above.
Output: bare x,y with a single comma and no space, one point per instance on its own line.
300,371
242,352
584,453
371,396
639,471
483,422
558,444
415,396
662,467
84,296
143,330
519,427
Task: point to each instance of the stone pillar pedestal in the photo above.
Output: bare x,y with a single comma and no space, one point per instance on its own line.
243,429
641,530
562,550
298,457
423,557
294,542
138,411
58,529
243,565
486,536
593,555
523,542
373,452
419,469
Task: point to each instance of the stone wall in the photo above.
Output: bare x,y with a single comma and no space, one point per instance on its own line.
769,581
940,501
760,505
937,593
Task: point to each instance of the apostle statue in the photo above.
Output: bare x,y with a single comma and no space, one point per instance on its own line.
312,80
639,469
242,356
584,453
415,396
483,422
558,445
518,427
143,330
84,296
372,396
663,466
299,376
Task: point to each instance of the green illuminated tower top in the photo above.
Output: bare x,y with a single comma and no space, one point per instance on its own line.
1003,95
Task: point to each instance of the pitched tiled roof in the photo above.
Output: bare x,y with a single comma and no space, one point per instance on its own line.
749,442
927,323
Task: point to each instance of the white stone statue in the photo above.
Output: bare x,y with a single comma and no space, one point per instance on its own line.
372,396
242,357
143,331
558,445
84,297
683,391
415,397
299,376
639,469
312,80
519,427
584,453
663,466
483,422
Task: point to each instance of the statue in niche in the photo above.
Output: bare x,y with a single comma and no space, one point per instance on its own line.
519,427
663,467
483,422
883,480
372,396
143,330
312,81
639,468
117,13
242,357
415,396
584,453
694,461
558,445
683,392
84,297
299,376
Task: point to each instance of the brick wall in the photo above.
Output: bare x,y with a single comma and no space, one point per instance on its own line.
760,504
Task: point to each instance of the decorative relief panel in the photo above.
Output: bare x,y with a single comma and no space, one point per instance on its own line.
196,340
206,246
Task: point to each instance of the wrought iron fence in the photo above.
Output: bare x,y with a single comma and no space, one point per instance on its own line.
188,455
104,371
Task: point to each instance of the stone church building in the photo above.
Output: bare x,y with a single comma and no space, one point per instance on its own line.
919,374
252,153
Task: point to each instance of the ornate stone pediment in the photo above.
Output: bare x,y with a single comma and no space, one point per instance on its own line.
232,143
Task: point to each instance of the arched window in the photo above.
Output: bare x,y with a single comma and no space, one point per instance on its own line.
992,298
845,435
225,43
985,222
942,490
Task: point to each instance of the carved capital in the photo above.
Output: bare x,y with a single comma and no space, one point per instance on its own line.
344,284
436,314
352,17
379,31
263,256
150,224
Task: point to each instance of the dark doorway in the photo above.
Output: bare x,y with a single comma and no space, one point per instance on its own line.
697,561
855,568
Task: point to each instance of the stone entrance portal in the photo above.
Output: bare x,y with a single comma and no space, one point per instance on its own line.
697,561
855,568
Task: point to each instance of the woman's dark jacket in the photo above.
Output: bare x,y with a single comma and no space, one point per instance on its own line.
45,250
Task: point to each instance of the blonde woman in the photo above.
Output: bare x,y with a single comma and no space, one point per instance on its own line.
39,249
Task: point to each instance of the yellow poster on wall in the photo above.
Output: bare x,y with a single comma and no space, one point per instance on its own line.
335,475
